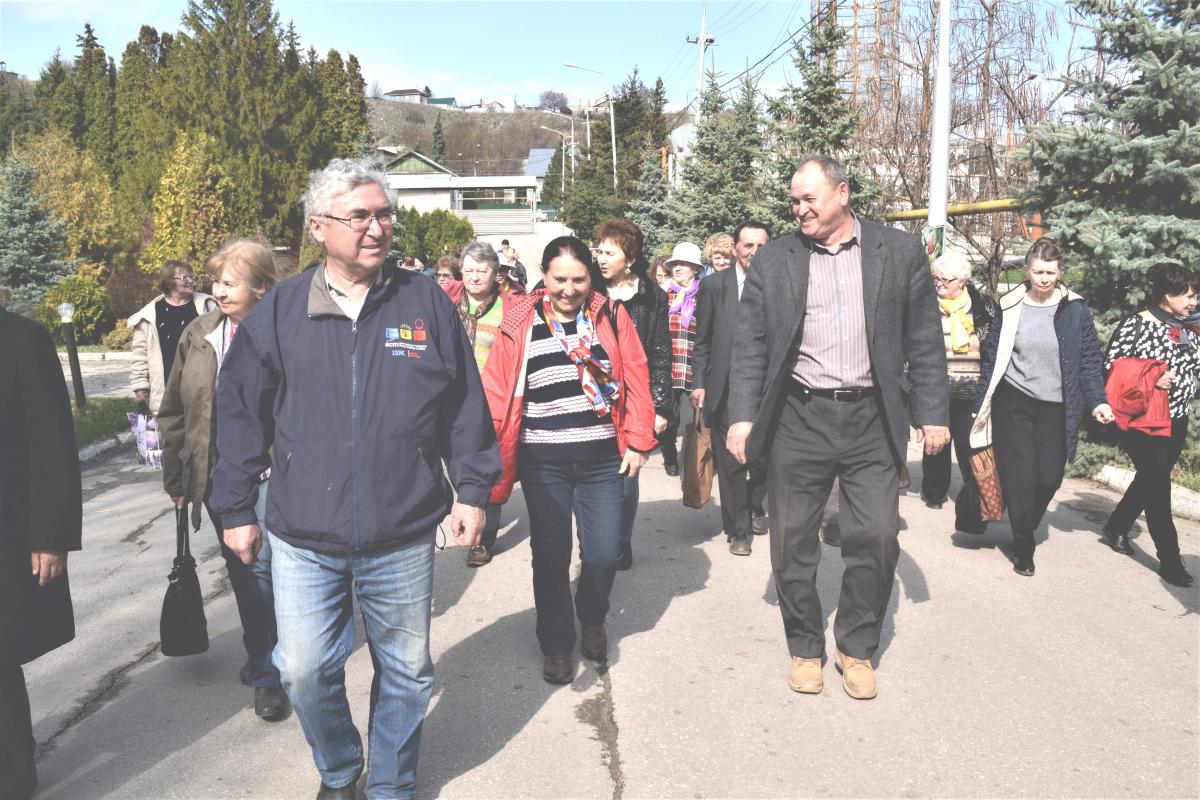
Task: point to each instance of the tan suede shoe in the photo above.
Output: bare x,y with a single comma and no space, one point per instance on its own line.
805,675
858,677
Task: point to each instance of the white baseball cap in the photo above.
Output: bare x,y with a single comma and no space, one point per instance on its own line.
686,252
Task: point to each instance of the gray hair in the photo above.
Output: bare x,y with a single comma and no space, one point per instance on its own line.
831,168
339,176
481,253
952,264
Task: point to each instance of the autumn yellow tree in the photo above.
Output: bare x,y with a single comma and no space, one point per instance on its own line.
188,209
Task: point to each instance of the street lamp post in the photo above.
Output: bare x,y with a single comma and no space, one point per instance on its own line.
562,162
612,118
66,312
572,119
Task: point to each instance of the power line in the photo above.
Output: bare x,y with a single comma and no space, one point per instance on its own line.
730,30
790,40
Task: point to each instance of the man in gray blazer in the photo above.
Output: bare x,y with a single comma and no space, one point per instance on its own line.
829,319
716,316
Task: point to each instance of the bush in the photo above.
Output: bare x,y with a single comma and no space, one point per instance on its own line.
129,289
93,314
119,338
101,418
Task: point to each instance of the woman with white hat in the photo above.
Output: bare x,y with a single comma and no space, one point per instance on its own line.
686,267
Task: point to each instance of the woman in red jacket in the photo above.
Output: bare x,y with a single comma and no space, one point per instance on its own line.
569,391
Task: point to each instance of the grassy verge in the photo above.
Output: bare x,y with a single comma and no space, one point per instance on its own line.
101,418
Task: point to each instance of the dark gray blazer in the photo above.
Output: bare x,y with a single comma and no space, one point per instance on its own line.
716,315
903,328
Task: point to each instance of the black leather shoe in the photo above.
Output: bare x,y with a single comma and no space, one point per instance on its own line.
1024,566
558,669
1174,573
270,704
672,469
739,545
594,643
479,555
759,524
346,792
1118,542
625,558
935,504
832,535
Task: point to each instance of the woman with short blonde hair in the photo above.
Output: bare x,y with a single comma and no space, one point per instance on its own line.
718,251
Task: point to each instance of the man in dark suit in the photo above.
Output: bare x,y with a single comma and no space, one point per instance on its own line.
716,315
41,511
830,317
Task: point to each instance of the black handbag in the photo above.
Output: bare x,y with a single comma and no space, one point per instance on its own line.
183,628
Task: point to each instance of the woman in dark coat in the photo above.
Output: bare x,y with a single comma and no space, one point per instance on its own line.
619,257
41,512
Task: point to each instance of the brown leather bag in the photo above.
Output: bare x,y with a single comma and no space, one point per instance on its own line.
697,463
991,496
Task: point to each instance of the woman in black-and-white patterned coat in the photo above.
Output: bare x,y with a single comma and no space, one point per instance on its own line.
1158,333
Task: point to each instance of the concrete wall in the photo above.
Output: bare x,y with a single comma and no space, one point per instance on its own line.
422,199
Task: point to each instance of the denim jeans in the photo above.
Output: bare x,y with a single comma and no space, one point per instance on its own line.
316,636
592,492
255,600
632,495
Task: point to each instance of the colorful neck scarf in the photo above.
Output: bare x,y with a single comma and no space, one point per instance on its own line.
470,319
598,385
685,302
961,323
1176,328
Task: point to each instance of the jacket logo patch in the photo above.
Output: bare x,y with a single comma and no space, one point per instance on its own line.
406,341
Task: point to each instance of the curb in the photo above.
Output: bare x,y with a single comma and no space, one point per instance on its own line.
1184,501
97,449
108,355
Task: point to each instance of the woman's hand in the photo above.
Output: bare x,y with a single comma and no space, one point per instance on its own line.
141,395
632,462
1103,414
660,424
180,502
1166,380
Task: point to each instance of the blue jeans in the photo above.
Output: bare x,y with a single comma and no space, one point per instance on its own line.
255,600
629,505
593,492
316,636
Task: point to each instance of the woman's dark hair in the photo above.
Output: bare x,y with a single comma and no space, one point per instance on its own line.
1045,249
576,249
628,237
1170,279
166,273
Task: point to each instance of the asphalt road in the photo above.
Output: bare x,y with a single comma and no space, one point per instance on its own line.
1079,682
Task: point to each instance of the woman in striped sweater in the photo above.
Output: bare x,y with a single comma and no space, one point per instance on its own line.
569,392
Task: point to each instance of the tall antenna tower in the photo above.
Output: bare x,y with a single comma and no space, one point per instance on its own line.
869,55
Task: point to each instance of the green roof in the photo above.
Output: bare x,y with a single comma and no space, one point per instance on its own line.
441,101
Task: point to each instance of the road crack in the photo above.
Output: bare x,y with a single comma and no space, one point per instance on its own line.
135,535
598,713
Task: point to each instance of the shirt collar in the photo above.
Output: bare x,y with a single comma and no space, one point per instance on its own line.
853,241
333,290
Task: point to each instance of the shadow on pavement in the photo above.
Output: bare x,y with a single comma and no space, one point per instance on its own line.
449,585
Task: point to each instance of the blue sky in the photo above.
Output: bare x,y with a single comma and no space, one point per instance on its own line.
495,50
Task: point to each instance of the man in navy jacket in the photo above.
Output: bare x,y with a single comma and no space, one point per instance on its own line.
353,382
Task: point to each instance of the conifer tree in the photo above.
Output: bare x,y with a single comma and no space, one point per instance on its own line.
143,132
32,241
648,203
591,199
94,88
552,194
439,141
1118,181
815,115
189,212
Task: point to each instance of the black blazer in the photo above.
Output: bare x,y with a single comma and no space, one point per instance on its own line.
716,316
40,497
903,328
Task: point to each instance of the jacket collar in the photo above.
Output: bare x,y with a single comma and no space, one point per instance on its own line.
146,312
521,306
1013,297
321,302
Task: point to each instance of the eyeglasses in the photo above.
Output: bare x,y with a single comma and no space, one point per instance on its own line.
185,279
444,276
361,220
944,281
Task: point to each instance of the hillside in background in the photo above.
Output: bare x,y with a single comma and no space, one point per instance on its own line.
492,144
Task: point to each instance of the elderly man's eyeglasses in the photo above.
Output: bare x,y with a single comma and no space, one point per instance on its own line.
361,220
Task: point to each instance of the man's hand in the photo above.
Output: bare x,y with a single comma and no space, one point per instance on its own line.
697,399
141,395
47,566
1103,413
735,441
246,541
632,462
466,524
935,437
660,424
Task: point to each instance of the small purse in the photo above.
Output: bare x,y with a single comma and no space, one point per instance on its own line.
991,496
697,463
182,628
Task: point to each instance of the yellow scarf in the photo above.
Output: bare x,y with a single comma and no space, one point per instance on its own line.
961,323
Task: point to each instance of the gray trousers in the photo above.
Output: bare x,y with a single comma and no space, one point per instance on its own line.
819,439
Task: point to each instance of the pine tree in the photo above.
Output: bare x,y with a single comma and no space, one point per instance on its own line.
719,176
648,203
591,199
189,212
57,100
94,87
552,194
439,141
143,132
814,116
18,114
1118,181
32,241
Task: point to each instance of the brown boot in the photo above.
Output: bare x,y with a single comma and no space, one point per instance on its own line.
558,669
858,676
479,555
594,643
805,675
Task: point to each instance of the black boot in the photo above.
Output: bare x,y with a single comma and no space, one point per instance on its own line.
1173,572
625,558
1118,541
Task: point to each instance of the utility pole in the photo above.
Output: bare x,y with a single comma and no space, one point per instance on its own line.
939,146
704,40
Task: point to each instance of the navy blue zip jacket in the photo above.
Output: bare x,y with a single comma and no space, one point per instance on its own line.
358,415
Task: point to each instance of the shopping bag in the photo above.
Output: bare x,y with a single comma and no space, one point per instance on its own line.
182,628
697,463
145,434
991,496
